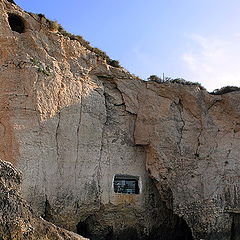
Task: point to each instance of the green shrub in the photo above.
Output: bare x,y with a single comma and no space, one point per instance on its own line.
55,26
155,78
40,67
181,81
114,63
185,82
40,15
224,90
11,1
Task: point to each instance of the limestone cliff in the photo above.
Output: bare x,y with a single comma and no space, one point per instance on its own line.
18,221
71,122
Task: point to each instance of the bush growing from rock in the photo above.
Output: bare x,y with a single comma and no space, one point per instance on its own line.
56,27
224,90
181,81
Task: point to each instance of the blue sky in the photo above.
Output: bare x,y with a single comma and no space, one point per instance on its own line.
198,40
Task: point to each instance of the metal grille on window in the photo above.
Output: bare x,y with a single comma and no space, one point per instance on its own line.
126,184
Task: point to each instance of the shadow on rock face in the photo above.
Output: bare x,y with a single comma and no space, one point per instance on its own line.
235,230
180,231
16,23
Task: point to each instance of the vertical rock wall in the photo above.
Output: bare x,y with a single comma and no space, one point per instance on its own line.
70,122
66,128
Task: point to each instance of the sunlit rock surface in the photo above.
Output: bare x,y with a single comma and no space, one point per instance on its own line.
17,219
70,123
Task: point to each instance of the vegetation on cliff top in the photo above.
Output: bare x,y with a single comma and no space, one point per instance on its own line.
55,26
224,90
181,81
11,1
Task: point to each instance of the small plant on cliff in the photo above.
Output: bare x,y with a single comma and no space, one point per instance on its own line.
40,15
56,27
40,67
224,90
185,82
155,78
181,81
11,1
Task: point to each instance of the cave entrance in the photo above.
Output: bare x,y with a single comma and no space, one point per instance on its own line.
83,229
174,228
235,230
16,23
182,231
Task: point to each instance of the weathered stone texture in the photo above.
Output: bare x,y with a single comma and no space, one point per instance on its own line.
17,220
193,154
70,122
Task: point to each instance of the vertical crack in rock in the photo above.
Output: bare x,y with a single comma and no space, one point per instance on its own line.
198,144
46,208
123,102
198,141
56,139
109,165
213,104
35,87
229,150
180,107
58,114
131,113
102,144
77,134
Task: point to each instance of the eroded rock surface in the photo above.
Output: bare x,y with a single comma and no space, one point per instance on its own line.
70,123
193,154
17,220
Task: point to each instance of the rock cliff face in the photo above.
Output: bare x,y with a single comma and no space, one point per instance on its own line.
71,123
18,221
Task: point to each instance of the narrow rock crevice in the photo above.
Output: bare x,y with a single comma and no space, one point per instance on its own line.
46,209
99,170
197,154
57,135
213,104
78,135
180,107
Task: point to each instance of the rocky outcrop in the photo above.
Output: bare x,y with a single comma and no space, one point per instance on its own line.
192,140
17,220
71,122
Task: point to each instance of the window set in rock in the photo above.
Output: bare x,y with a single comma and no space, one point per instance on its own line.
126,184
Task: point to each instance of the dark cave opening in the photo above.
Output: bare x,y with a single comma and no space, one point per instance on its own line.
182,231
179,231
94,231
16,23
235,229
83,229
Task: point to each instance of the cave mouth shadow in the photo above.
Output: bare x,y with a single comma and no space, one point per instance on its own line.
180,231
83,229
235,229
16,23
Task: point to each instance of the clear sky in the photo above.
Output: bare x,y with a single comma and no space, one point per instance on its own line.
198,40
